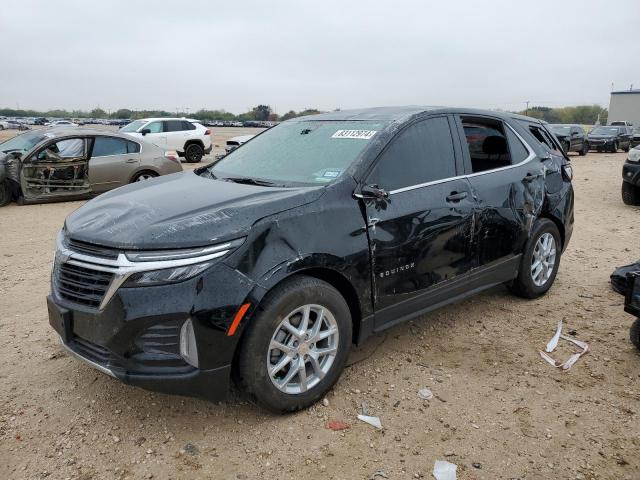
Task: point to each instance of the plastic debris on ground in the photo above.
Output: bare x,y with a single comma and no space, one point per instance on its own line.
425,394
373,421
443,470
553,343
337,425
378,474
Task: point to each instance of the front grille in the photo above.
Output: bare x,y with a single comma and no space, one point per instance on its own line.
93,250
81,285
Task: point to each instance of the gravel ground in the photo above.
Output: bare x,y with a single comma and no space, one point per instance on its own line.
499,411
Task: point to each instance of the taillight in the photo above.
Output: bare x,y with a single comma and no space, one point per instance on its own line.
567,171
207,132
172,155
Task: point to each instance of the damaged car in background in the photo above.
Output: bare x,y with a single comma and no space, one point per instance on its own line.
309,238
70,164
234,143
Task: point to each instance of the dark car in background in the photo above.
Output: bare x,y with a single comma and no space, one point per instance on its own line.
610,138
266,266
635,137
572,138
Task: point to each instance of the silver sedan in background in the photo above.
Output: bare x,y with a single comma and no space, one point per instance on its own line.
73,163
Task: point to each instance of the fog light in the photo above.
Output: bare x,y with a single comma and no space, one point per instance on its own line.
188,348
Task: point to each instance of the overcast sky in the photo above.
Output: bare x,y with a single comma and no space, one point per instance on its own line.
327,54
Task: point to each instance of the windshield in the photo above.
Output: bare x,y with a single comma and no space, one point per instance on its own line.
299,153
560,129
22,143
605,130
133,126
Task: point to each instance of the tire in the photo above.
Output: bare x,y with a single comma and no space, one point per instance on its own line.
627,148
5,193
193,153
528,284
142,176
287,302
614,148
630,194
584,150
634,333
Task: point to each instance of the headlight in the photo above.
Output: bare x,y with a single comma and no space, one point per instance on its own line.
634,155
168,275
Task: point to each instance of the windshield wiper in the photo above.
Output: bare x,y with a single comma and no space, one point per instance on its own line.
251,181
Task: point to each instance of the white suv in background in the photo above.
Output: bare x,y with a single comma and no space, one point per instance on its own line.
190,139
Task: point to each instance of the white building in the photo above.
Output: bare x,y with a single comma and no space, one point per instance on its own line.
625,105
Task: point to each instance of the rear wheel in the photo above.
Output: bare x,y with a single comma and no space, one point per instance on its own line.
540,261
5,193
614,148
142,176
194,153
630,194
627,148
296,345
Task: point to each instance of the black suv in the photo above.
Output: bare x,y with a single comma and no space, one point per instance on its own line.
610,138
572,138
266,266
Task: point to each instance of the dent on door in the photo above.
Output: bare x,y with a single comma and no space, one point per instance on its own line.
59,169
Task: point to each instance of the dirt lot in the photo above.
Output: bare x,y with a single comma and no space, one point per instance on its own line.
497,404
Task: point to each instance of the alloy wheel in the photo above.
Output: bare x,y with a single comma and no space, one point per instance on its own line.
144,176
543,260
302,349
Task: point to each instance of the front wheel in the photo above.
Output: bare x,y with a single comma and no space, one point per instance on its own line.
296,346
614,148
5,193
584,150
540,261
630,194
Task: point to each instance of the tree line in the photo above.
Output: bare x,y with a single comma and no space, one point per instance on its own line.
581,115
258,113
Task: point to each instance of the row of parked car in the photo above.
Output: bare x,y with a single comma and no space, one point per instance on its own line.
609,138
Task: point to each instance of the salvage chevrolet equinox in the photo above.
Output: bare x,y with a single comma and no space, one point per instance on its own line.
267,266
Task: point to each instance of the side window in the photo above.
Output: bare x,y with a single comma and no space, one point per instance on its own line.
155,127
63,149
519,152
133,147
544,139
106,146
173,125
421,153
487,144
188,126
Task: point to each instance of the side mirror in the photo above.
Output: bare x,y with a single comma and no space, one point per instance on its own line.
144,131
372,192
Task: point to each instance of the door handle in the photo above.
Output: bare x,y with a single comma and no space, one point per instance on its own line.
456,196
530,177
131,160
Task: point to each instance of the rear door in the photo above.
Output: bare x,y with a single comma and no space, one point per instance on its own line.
507,179
113,162
176,135
420,234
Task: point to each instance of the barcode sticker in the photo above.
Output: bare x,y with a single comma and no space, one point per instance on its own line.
359,134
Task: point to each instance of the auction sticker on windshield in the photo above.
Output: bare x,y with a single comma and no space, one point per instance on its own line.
360,134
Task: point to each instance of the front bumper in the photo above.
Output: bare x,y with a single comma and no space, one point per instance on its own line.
631,173
136,337
595,144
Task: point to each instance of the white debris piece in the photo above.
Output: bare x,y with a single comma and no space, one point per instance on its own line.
553,343
373,421
443,470
567,364
425,394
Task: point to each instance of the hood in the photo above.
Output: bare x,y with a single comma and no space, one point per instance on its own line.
179,211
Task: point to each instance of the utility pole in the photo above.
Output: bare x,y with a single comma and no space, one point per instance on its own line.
527,102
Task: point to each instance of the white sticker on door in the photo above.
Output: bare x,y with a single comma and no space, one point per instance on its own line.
359,134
